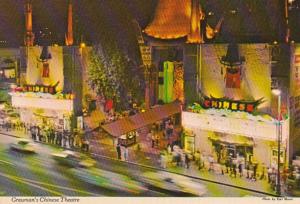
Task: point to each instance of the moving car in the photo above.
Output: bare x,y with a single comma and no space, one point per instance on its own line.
73,159
180,185
107,179
23,145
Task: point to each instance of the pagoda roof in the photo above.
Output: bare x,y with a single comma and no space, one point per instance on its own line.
172,19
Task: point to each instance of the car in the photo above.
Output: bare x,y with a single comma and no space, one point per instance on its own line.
23,145
108,180
170,182
73,159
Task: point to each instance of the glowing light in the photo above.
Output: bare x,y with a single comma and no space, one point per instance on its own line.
276,92
82,45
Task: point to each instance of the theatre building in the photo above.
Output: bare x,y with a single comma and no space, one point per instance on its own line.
230,108
50,90
51,79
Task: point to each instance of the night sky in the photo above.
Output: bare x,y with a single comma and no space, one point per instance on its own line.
89,18
97,20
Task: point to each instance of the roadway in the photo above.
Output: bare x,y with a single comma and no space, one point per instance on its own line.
39,175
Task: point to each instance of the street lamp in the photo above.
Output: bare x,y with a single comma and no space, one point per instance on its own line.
277,93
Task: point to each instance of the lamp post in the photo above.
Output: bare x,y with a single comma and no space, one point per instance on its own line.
147,88
277,93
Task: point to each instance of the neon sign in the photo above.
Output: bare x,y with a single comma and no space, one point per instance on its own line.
230,104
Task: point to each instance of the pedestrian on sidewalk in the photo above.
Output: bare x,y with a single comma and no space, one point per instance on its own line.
163,161
187,161
211,163
227,164
269,174
59,138
156,135
254,172
182,158
118,150
234,169
126,153
152,137
240,167
71,140
33,133
169,149
263,172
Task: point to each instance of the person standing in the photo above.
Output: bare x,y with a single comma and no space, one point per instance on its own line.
119,151
211,163
240,169
254,172
163,161
126,155
71,140
156,135
65,138
59,138
151,135
187,161
169,149
234,169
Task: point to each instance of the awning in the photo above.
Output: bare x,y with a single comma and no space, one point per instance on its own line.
140,120
231,139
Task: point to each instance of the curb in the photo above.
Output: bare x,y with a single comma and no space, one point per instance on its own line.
193,177
157,168
11,135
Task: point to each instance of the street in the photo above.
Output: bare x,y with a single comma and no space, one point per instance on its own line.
39,175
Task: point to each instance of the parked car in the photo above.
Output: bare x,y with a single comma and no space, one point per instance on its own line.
23,145
178,184
73,159
108,179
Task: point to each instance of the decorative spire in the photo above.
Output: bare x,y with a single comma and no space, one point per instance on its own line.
29,36
69,34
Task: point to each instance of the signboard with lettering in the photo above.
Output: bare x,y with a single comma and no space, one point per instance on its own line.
40,88
146,54
230,104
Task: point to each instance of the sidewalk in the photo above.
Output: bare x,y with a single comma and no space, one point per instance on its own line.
152,160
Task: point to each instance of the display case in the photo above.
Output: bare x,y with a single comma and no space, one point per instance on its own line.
127,139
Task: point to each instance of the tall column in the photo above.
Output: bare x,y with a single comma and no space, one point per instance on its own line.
195,30
29,36
69,34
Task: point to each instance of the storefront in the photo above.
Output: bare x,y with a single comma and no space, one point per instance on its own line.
43,110
226,145
221,135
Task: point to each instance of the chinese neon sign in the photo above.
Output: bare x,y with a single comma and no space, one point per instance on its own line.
234,105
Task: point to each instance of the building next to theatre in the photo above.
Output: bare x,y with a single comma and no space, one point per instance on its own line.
51,79
9,65
230,108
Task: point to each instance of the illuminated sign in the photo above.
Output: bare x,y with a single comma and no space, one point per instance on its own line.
234,105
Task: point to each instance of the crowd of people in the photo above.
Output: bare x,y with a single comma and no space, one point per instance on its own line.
76,139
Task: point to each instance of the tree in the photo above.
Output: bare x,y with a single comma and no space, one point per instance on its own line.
115,76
